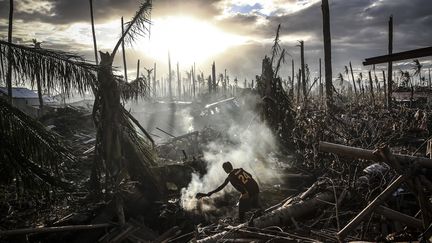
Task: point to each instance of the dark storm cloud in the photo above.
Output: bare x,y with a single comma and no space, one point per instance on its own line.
358,27
72,11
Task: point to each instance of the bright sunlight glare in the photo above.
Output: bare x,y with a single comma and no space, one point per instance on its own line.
187,39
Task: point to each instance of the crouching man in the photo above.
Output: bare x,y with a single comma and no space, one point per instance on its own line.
243,182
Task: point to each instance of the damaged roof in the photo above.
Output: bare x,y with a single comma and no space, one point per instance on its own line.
20,93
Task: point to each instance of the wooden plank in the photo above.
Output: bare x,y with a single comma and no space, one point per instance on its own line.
412,54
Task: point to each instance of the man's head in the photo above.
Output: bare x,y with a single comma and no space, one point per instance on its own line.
227,166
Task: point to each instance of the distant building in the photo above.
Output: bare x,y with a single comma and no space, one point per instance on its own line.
27,100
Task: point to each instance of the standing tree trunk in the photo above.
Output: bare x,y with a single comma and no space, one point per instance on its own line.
390,64
321,88
327,55
154,80
292,78
214,77
303,72
123,51
178,82
353,80
371,88
39,88
429,82
385,88
138,66
169,76
93,32
298,86
9,70
193,80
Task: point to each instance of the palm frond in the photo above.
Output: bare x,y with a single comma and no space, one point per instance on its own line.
28,150
138,26
138,88
58,70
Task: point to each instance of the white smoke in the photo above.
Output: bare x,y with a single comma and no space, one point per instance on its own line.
249,146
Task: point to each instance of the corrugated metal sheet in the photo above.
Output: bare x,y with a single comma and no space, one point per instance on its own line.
20,93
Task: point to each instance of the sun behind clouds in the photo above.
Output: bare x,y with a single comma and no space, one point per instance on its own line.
187,39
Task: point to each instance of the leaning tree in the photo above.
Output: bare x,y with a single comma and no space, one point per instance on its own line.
122,152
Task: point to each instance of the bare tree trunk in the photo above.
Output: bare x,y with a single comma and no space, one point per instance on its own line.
429,83
385,89
327,55
390,64
9,70
214,77
123,51
154,80
292,77
39,88
303,72
178,82
209,83
298,86
93,32
193,80
353,80
321,90
371,88
138,66
169,76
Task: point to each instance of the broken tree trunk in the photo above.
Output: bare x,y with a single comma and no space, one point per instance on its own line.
123,52
53,229
327,55
360,153
283,214
390,64
93,32
371,88
353,80
169,77
303,73
371,207
9,67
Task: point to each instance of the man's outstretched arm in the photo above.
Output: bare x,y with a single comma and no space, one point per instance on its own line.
200,195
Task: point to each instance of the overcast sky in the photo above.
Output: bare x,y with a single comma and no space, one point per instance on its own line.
236,34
